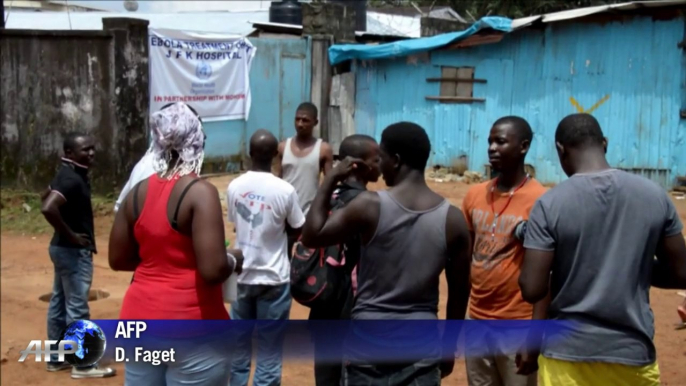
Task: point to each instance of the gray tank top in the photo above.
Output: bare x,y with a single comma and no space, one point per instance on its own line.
400,268
302,173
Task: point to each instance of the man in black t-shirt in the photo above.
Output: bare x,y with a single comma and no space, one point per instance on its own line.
327,372
67,207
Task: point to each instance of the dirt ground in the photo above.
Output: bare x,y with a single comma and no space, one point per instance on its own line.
26,274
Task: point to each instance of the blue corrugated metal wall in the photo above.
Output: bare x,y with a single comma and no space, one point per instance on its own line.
636,65
279,81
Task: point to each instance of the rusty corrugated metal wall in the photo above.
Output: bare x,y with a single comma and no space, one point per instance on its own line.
630,74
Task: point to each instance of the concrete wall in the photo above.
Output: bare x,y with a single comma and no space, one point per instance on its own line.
628,71
54,82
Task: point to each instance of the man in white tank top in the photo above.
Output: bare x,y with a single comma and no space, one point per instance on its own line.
303,158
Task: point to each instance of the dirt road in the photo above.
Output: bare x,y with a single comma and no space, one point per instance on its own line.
26,274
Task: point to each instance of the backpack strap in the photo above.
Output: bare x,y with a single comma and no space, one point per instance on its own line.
174,222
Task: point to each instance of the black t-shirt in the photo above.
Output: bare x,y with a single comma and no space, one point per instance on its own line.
72,183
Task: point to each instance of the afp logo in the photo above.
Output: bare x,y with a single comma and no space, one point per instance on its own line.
82,344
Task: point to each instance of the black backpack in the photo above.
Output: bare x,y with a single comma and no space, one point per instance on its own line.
320,276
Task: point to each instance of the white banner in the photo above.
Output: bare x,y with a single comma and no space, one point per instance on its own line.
208,71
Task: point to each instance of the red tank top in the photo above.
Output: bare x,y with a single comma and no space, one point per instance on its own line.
167,284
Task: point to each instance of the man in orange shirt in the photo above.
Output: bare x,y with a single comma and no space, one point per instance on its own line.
493,210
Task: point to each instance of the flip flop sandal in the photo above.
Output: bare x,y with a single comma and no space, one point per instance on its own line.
681,326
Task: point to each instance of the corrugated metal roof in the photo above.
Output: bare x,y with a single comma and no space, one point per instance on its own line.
339,53
581,12
374,27
378,24
223,22
220,22
92,6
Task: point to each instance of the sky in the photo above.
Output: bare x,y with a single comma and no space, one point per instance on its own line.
179,6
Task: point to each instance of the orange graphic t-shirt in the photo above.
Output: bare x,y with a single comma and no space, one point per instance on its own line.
498,255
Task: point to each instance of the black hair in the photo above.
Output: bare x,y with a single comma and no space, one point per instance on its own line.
409,141
356,146
69,142
579,130
263,145
309,108
520,125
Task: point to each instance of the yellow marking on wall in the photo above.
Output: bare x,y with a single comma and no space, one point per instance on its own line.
580,109
576,104
598,104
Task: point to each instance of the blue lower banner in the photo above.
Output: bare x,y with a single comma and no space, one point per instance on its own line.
378,341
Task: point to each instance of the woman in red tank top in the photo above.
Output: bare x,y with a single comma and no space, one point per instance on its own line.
171,234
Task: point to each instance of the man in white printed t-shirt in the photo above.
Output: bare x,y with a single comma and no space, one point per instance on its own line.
260,205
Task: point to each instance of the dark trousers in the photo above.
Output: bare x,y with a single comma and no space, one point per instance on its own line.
414,374
328,371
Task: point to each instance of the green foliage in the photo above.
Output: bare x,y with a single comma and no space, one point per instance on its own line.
20,211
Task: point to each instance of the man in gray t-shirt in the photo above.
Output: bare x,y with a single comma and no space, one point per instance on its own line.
593,239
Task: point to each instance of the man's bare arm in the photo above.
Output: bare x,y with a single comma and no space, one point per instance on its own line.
51,211
321,230
279,159
669,268
326,158
457,273
534,279
459,265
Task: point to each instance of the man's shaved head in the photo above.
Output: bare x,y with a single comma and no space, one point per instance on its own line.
263,146
356,146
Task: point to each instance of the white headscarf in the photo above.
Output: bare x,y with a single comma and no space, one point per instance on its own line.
178,129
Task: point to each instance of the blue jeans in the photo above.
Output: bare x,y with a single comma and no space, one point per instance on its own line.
261,302
72,282
204,365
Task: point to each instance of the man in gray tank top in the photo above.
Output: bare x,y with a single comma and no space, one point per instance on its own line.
302,159
409,236
593,240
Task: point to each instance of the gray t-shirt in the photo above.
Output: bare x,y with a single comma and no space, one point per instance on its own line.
604,228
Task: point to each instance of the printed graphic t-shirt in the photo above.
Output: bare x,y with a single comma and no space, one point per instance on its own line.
498,255
260,204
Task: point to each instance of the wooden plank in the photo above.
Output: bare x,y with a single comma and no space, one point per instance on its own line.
466,80
335,93
476,40
347,105
320,83
341,108
455,99
465,89
448,89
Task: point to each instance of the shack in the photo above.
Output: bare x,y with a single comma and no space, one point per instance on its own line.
623,63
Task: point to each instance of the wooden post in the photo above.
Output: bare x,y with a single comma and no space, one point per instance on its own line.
320,84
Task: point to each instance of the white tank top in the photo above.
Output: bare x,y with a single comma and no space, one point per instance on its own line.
302,173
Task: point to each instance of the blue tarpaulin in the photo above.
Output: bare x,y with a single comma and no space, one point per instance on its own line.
341,52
